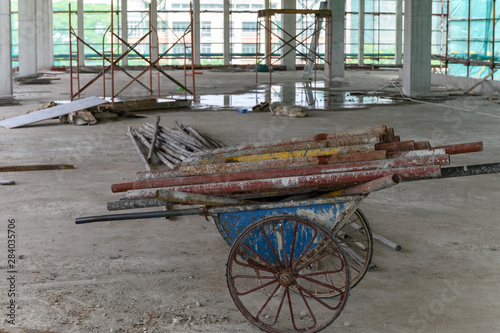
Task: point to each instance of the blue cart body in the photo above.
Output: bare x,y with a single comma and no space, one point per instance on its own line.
329,213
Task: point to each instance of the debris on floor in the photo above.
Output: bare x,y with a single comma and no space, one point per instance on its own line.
8,101
172,145
6,182
51,112
40,167
289,111
78,118
36,79
261,107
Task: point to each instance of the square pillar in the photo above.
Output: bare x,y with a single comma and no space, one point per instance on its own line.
227,35
154,37
399,32
361,34
5,50
417,48
81,32
289,24
196,44
27,38
338,48
44,34
124,6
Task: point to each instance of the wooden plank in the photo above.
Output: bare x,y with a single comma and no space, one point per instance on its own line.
52,112
36,167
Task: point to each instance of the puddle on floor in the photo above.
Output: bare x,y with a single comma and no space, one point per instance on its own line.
314,96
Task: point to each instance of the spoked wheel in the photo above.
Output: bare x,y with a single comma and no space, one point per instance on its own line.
357,241
271,258
355,238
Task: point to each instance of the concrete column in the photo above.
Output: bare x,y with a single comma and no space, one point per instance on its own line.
124,30
361,34
154,23
267,34
27,38
338,48
289,24
227,35
44,34
399,32
5,50
417,49
196,32
80,31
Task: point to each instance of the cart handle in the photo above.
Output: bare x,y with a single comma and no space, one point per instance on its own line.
470,170
137,216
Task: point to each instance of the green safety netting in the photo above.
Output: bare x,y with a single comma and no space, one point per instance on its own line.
476,40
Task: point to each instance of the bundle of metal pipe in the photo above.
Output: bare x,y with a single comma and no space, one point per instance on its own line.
171,145
348,162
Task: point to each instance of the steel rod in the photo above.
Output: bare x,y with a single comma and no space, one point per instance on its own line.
199,199
153,142
138,149
380,238
133,204
42,167
139,216
470,170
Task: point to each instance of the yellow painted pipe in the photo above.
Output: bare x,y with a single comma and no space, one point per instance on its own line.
302,153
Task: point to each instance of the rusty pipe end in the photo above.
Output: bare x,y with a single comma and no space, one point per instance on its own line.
396,179
123,187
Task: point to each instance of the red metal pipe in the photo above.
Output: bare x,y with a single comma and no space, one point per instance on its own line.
210,169
280,173
415,153
422,145
462,148
301,183
396,146
368,187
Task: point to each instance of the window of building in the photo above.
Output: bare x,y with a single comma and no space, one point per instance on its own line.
179,26
211,5
249,26
178,50
249,49
206,49
206,29
136,28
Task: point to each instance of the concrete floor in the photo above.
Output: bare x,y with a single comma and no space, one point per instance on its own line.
148,275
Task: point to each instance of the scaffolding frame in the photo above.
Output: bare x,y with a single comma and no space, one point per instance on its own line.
110,63
264,20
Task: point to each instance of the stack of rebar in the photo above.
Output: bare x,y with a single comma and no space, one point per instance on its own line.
348,162
171,145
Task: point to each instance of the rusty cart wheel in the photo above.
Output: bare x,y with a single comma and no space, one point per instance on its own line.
271,258
355,238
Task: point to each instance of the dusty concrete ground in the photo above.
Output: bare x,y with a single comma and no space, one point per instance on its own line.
149,275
